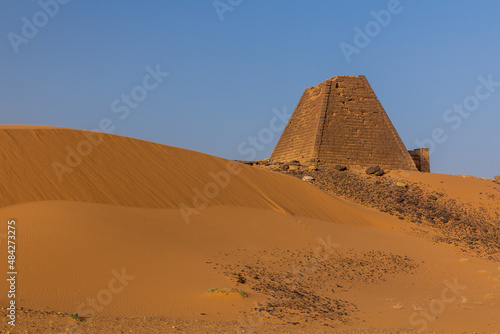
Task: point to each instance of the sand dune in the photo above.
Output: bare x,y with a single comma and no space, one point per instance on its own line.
465,190
111,241
45,164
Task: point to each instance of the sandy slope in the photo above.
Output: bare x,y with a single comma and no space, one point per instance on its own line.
473,191
118,211
68,251
135,173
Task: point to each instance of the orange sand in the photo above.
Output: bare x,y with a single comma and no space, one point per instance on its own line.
119,209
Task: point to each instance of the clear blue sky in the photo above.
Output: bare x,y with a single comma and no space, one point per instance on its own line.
227,76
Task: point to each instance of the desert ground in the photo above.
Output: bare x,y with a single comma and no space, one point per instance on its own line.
139,237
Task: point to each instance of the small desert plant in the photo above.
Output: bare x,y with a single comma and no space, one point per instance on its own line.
228,291
396,305
75,316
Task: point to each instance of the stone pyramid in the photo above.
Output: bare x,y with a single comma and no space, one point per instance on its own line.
341,121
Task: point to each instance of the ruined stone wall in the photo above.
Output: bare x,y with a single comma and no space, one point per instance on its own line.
421,158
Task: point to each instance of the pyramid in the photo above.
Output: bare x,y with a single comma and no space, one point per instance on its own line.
341,121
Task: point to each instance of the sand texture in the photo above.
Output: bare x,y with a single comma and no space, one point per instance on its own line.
134,235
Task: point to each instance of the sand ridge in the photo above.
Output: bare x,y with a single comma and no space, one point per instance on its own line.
136,173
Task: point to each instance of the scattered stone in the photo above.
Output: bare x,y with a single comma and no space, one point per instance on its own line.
307,299
401,184
379,173
372,170
285,167
446,218
293,167
312,167
340,167
466,227
307,178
